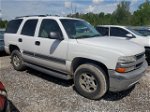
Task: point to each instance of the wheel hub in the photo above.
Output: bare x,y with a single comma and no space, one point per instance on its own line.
16,60
88,82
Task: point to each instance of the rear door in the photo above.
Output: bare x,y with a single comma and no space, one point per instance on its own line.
27,39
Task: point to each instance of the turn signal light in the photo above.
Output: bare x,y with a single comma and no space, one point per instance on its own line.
121,70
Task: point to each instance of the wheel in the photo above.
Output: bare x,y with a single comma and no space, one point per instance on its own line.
90,81
17,60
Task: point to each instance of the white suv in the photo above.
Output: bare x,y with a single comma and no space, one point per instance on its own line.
128,33
72,49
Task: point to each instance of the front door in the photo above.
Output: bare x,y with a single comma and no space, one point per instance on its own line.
50,53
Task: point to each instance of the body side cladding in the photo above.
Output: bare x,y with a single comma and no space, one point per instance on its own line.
44,57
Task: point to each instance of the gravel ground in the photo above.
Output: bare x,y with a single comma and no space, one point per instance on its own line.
32,91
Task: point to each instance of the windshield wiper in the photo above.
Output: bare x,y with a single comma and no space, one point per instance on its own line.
86,36
96,35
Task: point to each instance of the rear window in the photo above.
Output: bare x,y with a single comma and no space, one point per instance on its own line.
29,27
13,26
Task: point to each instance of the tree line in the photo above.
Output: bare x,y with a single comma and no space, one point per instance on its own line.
121,16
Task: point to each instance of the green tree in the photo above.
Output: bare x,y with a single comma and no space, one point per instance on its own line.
3,23
122,14
142,15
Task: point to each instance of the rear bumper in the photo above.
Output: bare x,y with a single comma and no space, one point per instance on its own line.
123,81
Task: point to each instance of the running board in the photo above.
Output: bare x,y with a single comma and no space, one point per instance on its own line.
49,72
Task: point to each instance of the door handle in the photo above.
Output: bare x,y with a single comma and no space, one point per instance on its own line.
37,43
20,40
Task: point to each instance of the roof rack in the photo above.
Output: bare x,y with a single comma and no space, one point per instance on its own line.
35,16
32,16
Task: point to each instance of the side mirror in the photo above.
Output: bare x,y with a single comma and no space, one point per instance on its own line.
55,35
129,35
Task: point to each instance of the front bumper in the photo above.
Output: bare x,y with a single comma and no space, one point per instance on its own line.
123,81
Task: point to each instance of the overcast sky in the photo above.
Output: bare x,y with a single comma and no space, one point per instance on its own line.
14,8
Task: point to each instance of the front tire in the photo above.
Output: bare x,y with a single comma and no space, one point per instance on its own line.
90,81
17,61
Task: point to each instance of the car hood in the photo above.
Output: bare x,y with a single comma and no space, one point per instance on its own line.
123,46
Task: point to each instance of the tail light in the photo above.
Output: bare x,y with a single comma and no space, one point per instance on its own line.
3,95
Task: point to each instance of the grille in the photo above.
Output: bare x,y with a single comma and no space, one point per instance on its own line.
139,65
139,56
140,60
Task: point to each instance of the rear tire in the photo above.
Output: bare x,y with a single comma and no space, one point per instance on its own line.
17,60
90,81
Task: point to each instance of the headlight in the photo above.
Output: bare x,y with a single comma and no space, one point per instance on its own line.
127,59
126,64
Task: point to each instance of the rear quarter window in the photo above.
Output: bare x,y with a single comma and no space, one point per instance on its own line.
13,26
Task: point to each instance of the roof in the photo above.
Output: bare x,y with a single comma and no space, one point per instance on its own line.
110,26
45,16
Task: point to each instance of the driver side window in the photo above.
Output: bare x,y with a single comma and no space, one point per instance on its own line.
118,32
48,26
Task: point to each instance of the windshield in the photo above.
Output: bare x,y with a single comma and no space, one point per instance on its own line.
144,32
134,31
77,29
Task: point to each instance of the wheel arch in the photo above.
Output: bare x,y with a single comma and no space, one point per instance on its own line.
13,47
79,60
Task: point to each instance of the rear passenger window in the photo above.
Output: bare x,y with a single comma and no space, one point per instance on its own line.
118,32
13,26
29,27
103,31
